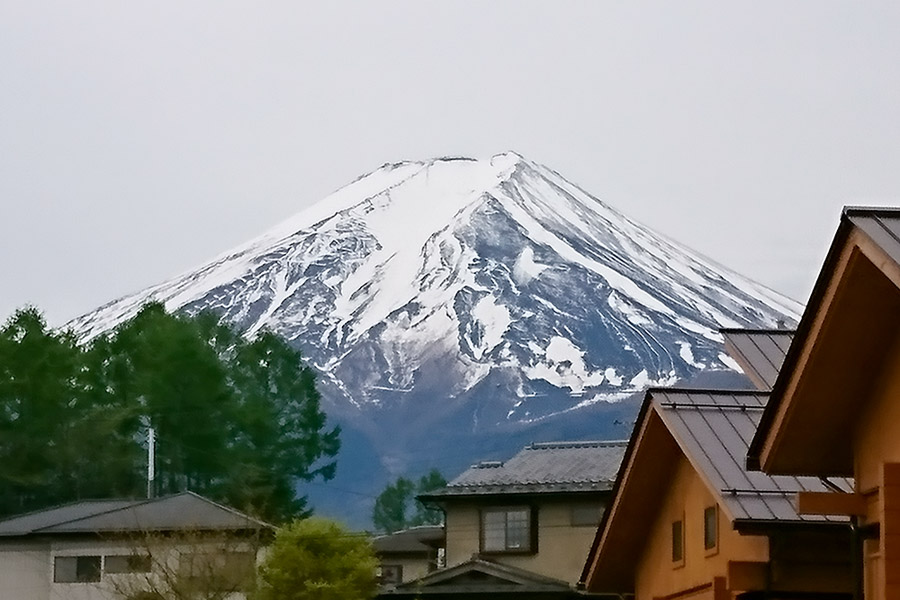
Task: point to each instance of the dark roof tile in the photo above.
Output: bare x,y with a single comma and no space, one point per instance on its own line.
544,467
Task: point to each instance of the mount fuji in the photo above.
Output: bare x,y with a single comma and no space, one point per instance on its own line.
455,308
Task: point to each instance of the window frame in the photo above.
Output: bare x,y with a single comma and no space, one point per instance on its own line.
395,568
714,548
530,533
134,564
82,573
677,557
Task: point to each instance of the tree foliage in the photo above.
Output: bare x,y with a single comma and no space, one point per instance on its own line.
398,508
318,559
238,420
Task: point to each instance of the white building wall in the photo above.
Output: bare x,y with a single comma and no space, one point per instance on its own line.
26,568
24,571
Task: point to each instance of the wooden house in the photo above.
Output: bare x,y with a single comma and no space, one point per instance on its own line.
688,520
835,407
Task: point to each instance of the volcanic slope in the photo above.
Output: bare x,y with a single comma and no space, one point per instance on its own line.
445,301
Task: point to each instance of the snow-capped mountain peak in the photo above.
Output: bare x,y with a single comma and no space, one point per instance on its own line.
448,275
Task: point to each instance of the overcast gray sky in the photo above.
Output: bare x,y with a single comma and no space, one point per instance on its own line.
138,140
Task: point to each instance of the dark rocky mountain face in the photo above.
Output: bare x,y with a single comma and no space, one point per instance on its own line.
458,309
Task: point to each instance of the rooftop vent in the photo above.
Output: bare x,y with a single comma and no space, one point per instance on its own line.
489,464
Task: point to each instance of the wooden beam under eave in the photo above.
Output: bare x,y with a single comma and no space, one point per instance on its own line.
831,503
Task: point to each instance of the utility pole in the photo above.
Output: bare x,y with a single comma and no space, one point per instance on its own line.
151,461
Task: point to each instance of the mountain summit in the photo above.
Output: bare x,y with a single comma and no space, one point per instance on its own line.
475,294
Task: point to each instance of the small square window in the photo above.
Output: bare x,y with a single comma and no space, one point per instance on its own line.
391,574
506,530
677,541
76,569
710,528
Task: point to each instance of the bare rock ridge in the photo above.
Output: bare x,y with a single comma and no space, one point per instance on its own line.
448,300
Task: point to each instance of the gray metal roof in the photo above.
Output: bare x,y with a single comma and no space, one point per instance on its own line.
29,522
714,430
415,540
760,352
880,224
545,467
184,511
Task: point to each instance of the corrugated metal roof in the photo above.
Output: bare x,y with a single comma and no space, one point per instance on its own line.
185,511
760,352
545,467
714,430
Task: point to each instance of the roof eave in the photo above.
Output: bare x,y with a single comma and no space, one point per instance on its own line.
754,461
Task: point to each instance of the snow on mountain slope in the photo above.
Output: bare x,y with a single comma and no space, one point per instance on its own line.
423,281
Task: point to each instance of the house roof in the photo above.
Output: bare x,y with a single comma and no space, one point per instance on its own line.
759,352
481,576
415,540
711,429
184,511
714,430
542,468
840,344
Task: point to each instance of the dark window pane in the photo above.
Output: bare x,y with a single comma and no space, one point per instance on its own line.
710,533
677,541
391,574
65,569
88,569
127,563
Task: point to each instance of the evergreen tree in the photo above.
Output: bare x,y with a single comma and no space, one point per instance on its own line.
236,420
397,506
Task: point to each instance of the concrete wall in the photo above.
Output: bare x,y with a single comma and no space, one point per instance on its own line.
562,547
25,570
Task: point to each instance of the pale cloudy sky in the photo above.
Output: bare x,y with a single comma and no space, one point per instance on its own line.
138,139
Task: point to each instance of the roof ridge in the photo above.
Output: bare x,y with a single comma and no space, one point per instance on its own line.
132,504
64,505
575,444
766,330
702,405
228,509
709,391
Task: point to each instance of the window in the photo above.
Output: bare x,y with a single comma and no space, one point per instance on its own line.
76,569
678,541
587,514
219,571
126,563
506,530
710,528
390,574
